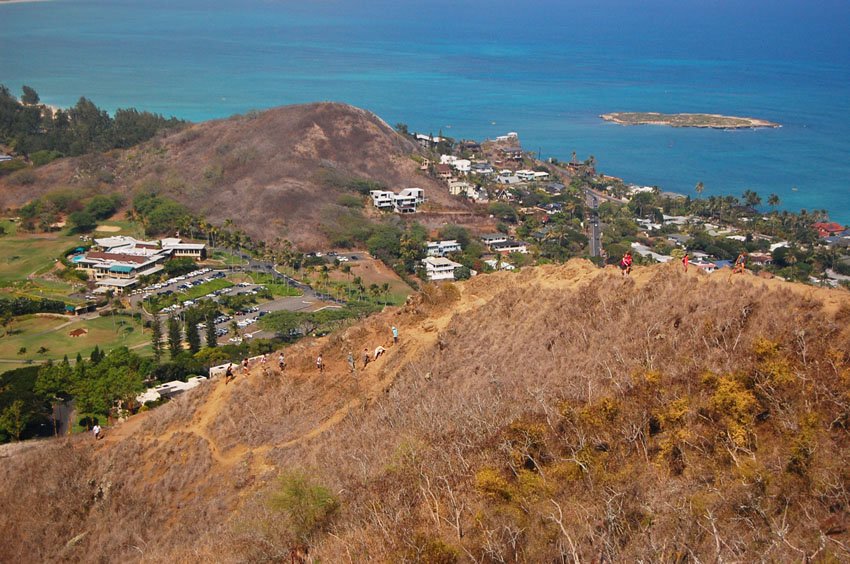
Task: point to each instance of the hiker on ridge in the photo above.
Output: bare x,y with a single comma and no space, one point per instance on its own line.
740,263
626,263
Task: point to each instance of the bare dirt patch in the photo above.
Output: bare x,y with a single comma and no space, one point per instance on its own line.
107,228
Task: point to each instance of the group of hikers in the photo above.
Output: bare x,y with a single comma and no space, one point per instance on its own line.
738,268
368,357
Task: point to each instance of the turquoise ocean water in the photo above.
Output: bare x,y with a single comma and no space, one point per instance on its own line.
478,69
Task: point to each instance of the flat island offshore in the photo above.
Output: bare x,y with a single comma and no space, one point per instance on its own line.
708,121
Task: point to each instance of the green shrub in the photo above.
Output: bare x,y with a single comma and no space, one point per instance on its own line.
41,158
307,507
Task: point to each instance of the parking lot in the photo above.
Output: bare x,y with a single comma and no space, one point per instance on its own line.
246,320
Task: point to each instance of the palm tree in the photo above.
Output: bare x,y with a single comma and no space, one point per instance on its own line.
773,201
699,188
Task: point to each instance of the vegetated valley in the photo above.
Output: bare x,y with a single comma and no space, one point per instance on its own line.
559,413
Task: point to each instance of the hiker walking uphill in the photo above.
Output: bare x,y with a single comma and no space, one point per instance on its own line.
685,262
281,362
740,264
626,263
365,356
395,335
320,364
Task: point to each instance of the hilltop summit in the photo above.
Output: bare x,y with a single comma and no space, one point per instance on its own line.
275,173
556,413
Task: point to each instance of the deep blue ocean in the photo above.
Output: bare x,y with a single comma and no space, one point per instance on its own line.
479,69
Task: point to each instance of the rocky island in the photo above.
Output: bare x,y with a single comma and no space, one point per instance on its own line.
712,121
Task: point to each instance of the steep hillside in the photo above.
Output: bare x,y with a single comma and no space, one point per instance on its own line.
275,173
561,413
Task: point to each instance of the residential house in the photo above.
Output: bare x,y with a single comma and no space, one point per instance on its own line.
469,146
497,264
463,166
484,169
508,180
459,187
492,238
525,175
478,194
551,208
554,188
428,141
706,266
510,136
827,229
408,200
405,201
440,268
442,248
383,199
511,153
444,172
509,246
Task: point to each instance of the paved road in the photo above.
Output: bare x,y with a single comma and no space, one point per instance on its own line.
595,227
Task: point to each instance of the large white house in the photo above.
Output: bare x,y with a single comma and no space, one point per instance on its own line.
442,248
440,268
406,201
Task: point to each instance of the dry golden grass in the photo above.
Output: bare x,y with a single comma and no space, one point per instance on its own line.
559,413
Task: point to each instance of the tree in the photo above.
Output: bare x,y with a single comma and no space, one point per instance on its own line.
95,355
503,212
751,198
699,188
156,338
773,201
82,222
13,419
462,273
211,337
30,96
456,232
193,337
175,345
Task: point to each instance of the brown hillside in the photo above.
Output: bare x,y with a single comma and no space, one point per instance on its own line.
562,413
273,172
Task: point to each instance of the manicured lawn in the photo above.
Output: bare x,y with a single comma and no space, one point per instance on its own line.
227,259
53,333
25,254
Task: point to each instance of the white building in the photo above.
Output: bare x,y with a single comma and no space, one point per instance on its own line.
510,136
459,187
406,201
507,247
491,238
382,199
439,268
442,248
462,165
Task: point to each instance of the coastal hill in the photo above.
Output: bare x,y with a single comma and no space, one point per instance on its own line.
710,121
276,173
555,413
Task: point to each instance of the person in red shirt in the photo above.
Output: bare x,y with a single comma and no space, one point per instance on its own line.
685,261
626,263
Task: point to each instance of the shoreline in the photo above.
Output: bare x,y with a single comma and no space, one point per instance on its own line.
21,1
696,120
